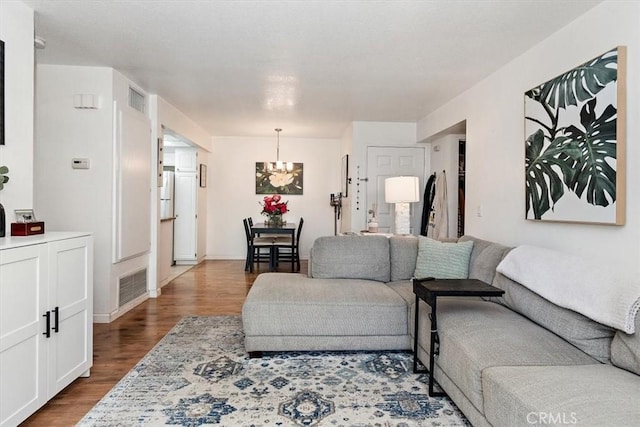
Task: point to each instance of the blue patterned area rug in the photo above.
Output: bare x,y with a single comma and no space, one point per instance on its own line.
199,374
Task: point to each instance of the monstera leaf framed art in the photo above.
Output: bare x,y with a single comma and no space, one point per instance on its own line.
575,131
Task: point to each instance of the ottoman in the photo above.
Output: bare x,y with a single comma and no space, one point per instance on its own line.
292,312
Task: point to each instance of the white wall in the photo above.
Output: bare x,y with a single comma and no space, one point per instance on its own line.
174,119
231,185
16,30
371,134
494,113
68,199
82,200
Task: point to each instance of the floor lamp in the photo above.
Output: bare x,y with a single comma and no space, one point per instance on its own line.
402,190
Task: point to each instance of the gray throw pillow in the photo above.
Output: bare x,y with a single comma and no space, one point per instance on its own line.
443,260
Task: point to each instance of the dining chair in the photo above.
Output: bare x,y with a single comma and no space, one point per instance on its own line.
289,249
255,248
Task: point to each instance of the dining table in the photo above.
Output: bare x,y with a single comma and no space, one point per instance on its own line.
286,229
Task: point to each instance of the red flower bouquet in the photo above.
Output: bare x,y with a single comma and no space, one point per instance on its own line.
273,207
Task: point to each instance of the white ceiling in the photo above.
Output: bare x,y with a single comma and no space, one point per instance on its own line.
243,68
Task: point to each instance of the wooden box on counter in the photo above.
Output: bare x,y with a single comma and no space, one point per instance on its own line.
27,228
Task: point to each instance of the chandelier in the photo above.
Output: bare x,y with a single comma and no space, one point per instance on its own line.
279,165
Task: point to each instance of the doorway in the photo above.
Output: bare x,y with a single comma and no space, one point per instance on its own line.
462,153
178,207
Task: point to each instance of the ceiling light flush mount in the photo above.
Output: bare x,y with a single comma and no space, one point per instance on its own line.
278,165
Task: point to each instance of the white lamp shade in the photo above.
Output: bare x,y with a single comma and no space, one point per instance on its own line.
401,189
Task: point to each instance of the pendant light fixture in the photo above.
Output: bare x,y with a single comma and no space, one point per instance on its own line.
278,165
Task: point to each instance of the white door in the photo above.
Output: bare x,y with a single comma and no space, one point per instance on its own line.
185,224
23,347
71,302
385,162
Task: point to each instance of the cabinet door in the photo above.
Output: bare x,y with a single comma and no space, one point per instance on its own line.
186,160
71,302
185,226
23,347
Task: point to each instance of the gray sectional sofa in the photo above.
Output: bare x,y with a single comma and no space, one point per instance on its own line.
517,360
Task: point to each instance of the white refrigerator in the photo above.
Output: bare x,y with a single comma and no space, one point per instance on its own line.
167,195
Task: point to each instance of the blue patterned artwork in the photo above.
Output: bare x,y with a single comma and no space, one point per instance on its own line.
199,374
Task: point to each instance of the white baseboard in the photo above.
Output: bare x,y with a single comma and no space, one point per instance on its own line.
108,318
194,262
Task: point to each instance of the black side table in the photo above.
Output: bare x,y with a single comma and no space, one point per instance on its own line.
428,290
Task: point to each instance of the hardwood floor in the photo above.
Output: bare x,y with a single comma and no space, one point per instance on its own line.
210,288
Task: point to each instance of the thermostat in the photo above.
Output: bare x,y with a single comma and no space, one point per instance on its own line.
80,163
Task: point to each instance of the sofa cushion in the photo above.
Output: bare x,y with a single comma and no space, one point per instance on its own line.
477,334
351,257
403,251
588,335
588,395
442,260
404,288
625,349
294,304
485,257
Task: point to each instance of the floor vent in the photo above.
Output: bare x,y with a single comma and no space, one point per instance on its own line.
132,286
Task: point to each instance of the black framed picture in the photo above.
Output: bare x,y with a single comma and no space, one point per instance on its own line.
1,92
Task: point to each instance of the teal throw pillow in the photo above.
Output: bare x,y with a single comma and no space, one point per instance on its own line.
443,260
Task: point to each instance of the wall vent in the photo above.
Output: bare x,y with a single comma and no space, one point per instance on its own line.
132,286
136,100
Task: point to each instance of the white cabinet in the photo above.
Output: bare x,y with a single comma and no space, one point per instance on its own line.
23,350
46,330
186,160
